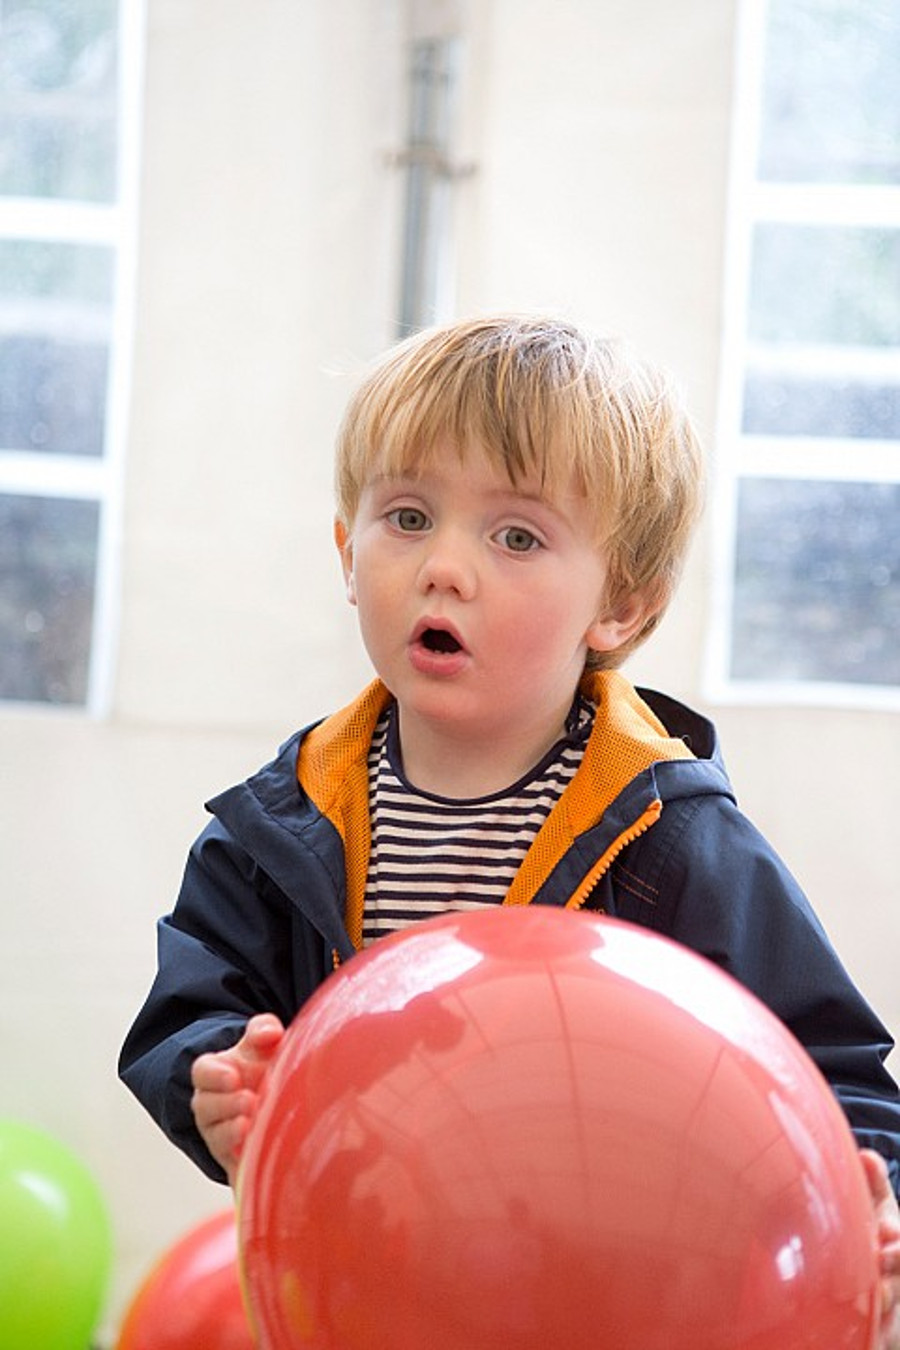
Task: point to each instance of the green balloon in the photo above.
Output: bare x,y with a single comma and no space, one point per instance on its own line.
55,1244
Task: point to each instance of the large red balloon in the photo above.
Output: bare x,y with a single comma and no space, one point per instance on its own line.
530,1128
192,1300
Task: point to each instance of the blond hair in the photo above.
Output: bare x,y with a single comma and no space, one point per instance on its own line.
546,400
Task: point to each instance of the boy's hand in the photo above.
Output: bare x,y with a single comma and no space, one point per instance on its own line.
887,1220
226,1089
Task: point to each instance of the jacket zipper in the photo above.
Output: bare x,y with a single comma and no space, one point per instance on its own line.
649,817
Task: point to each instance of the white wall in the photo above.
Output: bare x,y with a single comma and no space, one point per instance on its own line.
268,264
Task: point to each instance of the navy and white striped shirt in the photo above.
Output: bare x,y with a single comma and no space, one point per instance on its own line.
432,854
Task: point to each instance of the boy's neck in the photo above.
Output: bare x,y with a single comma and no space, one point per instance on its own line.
462,766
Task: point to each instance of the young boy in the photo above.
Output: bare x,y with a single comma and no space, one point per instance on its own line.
515,499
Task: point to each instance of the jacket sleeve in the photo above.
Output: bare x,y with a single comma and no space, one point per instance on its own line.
718,887
230,923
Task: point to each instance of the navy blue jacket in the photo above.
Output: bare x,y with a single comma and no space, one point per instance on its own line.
652,834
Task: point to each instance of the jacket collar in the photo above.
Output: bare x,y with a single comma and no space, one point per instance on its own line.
627,739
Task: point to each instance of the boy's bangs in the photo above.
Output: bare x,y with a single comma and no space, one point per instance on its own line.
466,410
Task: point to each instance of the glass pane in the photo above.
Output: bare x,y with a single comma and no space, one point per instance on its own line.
817,585
48,554
58,99
52,396
777,405
56,303
831,100
80,274
822,284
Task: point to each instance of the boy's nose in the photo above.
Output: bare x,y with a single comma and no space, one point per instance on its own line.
447,566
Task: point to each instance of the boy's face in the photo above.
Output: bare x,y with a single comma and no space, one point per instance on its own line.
478,598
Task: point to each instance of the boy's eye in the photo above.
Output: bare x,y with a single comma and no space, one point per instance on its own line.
518,540
408,518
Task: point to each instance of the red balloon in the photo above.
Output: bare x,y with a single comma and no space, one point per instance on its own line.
192,1300
528,1128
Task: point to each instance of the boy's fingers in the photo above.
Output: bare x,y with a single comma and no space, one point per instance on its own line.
257,1047
226,1141
214,1109
225,1089
876,1174
220,1071
213,1073
263,1032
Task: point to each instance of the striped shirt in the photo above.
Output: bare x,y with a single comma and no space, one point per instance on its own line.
431,854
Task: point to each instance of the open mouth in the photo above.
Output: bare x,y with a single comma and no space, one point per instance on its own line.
439,640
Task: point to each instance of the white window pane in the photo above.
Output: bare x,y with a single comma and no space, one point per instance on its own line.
831,98
48,555
58,99
52,396
34,269
844,410
821,284
55,323
817,583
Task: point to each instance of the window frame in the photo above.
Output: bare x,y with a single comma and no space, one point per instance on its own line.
740,455
113,225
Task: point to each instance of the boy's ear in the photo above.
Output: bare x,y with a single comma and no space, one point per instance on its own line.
616,626
345,548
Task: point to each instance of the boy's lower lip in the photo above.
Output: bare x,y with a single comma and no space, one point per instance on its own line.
428,662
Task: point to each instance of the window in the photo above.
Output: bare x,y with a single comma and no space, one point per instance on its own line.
69,85
808,474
